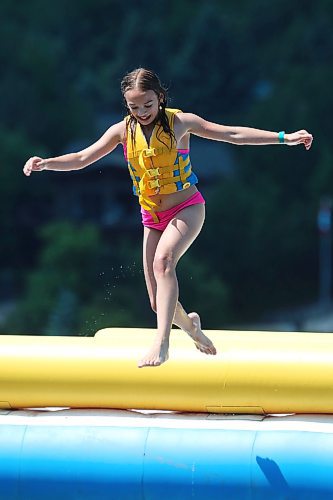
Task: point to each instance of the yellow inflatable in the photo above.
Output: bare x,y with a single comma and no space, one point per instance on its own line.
253,372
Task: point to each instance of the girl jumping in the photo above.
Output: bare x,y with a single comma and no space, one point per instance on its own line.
156,142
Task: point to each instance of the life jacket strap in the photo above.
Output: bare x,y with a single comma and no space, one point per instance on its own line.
148,205
148,153
158,183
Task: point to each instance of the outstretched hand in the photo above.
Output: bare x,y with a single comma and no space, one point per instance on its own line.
300,137
34,164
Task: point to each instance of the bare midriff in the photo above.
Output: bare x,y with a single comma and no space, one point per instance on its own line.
167,201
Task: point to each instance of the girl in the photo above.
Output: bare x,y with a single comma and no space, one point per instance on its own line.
156,143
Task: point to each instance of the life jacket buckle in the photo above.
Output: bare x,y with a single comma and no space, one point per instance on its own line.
153,172
186,185
154,184
149,152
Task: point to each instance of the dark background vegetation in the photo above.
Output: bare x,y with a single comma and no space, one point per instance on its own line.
252,63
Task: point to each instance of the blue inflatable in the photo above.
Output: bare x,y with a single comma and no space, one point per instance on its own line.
124,455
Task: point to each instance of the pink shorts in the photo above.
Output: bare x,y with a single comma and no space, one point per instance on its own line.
167,215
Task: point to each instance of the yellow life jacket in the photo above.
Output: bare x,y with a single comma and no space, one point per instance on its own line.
157,167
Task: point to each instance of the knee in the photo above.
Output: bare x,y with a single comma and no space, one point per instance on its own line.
163,264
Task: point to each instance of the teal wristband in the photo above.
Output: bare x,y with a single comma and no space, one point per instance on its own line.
281,137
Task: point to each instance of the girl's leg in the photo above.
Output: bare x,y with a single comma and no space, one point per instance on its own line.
151,237
189,323
169,247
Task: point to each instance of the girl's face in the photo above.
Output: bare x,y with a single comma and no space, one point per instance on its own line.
143,105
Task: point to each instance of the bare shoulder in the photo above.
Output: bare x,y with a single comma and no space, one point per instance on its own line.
185,117
184,122
189,122
195,124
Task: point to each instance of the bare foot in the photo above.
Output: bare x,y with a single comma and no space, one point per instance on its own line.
203,343
158,354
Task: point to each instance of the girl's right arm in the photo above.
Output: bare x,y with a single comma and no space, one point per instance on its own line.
75,161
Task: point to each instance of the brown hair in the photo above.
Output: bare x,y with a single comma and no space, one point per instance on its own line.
145,79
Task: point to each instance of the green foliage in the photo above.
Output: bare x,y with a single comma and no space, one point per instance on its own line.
74,290
80,285
262,251
203,290
65,268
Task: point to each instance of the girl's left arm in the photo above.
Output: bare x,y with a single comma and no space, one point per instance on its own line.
196,125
